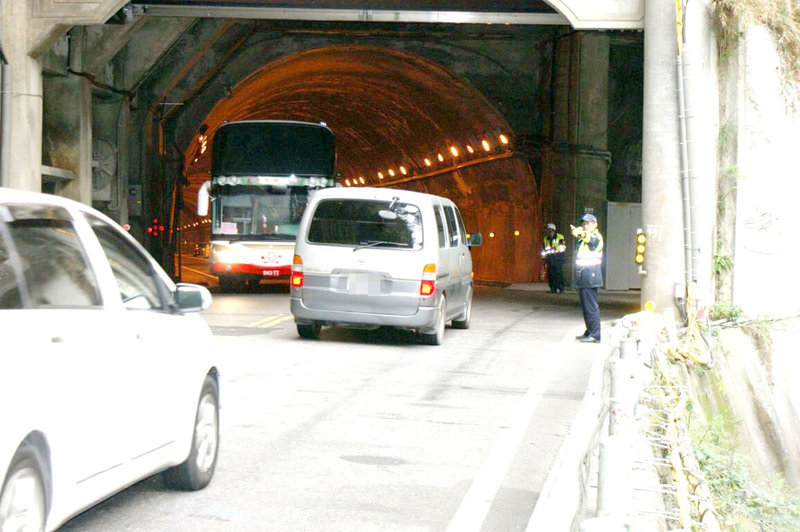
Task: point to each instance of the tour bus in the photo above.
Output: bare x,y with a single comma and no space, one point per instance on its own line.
262,172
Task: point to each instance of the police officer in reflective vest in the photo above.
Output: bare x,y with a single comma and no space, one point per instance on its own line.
588,274
553,252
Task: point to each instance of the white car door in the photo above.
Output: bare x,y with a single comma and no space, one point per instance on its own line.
59,339
153,375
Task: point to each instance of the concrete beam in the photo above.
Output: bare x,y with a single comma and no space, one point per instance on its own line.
601,14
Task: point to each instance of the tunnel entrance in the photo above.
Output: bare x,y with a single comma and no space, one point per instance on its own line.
401,121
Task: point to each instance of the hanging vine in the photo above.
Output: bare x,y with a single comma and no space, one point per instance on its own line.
780,17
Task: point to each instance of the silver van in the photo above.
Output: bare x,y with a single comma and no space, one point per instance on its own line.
370,257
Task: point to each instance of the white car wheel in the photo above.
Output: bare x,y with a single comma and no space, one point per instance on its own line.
196,472
23,506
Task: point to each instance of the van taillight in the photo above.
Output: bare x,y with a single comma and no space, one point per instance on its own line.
297,272
428,284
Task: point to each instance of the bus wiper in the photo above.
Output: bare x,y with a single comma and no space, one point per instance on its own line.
373,243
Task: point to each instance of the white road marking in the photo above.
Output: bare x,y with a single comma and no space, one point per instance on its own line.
481,494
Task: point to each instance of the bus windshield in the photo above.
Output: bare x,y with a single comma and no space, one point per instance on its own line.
257,213
273,148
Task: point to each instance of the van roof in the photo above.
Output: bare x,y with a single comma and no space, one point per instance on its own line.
378,193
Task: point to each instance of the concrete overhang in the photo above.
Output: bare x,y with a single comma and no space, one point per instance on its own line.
580,14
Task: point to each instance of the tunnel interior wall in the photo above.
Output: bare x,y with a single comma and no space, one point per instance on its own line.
496,198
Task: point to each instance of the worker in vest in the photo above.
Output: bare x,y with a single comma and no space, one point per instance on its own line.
554,253
588,274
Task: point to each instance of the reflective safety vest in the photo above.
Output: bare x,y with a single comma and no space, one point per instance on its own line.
554,245
590,250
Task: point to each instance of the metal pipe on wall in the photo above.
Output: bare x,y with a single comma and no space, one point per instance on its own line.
5,123
685,163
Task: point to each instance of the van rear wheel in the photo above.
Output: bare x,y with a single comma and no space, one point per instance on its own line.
462,321
437,336
310,331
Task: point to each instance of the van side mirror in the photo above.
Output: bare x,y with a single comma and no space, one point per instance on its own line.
202,199
475,240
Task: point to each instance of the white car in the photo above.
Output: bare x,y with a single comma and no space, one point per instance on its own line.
105,373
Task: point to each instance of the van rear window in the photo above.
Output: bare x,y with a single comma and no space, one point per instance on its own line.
368,223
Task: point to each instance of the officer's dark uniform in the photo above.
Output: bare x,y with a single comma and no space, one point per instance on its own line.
554,253
588,278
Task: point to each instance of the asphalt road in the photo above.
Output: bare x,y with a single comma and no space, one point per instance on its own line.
369,431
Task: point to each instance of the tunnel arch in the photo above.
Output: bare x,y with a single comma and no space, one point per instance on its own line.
391,109
386,107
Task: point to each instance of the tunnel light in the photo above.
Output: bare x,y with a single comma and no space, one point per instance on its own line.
491,235
427,162
403,170
486,145
503,139
470,149
203,149
391,172
440,157
454,151
380,175
361,180
347,182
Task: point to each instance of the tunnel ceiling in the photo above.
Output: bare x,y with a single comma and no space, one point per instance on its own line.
387,108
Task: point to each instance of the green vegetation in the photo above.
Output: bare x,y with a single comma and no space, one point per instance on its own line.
780,17
724,310
740,502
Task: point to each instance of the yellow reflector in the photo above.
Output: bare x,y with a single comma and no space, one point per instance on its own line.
641,238
640,249
639,259
429,268
649,305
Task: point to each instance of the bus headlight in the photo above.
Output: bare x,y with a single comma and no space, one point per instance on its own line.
226,255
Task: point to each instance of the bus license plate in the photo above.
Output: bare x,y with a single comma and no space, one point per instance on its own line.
270,273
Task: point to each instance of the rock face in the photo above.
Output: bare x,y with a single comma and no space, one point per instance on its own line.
755,383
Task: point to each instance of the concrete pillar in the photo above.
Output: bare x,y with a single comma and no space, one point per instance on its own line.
25,157
591,136
580,125
67,138
661,173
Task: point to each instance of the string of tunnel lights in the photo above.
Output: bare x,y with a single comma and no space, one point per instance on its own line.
473,148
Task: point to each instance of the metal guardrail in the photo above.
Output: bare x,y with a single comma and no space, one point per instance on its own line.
590,485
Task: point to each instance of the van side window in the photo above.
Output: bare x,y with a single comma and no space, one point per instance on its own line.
452,225
440,226
461,229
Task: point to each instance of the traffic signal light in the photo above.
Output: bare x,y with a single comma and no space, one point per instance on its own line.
641,246
155,228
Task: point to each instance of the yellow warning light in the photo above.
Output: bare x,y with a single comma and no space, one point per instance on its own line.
641,246
516,233
649,305
491,235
